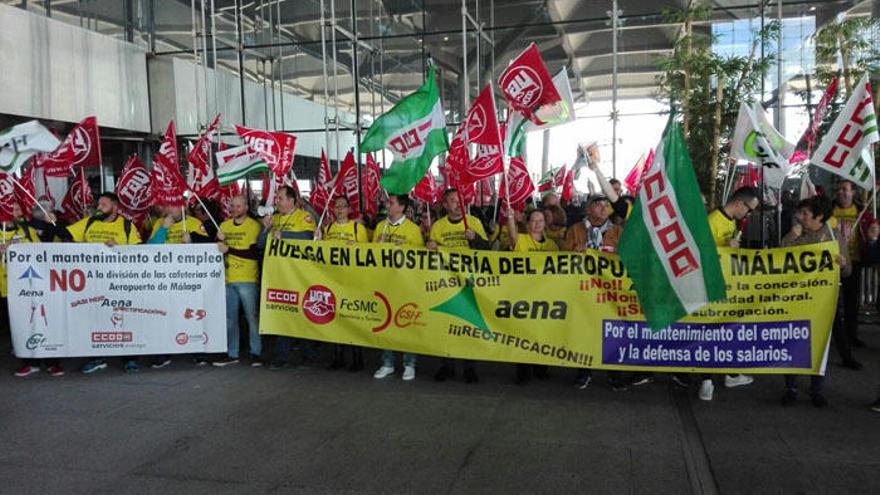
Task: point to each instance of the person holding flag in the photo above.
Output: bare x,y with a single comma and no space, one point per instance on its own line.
397,229
349,231
106,226
457,230
237,240
289,221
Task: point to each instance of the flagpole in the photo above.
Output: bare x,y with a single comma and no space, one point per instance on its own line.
82,189
183,215
211,217
31,196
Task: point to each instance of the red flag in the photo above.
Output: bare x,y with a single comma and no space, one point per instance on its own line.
634,179
201,177
370,187
346,184
568,190
277,182
481,128
275,148
452,180
808,140
81,148
322,185
426,190
520,184
225,195
7,197
748,177
527,85
26,199
167,185
559,179
133,189
78,198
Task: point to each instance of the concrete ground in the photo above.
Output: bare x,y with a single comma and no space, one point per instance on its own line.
247,430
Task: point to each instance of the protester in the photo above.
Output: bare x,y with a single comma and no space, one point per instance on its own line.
612,190
106,226
457,230
344,229
599,233
722,224
555,221
237,240
501,234
845,214
812,228
532,241
15,232
290,221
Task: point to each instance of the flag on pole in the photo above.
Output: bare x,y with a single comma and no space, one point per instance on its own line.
275,148
634,179
200,176
322,186
528,87
26,191
370,186
756,140
78,198
415,131
568,189
166,183
521,185
346,184
7,197
551,180
20,142
667,247
426,190
480,128
81,148
844,149
807,142
452,180
134,191
236,163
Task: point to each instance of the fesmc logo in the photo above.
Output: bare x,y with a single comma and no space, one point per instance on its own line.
523,85
319,304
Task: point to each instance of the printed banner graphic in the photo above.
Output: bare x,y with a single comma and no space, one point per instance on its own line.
561,309
69,300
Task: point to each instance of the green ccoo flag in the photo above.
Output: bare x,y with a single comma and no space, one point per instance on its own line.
415,131
667,247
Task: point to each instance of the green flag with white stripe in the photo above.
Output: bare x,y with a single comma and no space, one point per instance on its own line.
666,246
236,163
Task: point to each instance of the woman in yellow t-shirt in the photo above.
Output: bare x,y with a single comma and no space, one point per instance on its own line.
533,240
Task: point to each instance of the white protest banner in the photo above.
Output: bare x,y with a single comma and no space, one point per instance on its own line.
69,300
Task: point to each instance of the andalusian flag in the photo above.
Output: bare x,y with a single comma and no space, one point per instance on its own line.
667,247
20,142
236,163
415,131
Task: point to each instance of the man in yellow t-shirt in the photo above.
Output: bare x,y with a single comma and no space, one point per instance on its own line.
343,228
450,232
398,230
289,221
181,231
237,239
106,226
844,217
722,222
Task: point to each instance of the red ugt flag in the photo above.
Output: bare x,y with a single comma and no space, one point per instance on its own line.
166,182
133,190
518,181
527,85
78,198
481,128
346,184
426,189
371,189
321,188
275,148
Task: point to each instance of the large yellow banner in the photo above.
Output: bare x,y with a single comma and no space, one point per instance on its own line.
560,309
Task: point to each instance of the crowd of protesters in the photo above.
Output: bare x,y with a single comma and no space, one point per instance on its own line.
595,223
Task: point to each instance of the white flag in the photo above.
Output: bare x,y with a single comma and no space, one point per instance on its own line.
18,143
757,141
844,149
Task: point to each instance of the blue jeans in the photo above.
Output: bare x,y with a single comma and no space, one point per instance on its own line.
306,347
245,295
388,359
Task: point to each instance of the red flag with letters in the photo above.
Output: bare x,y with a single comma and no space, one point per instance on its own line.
426,190
78,198
81,148
201,178
527,85
26,191
321,186
518,181
275,148
346,184
167,185
134,190
808,140
7,197
371,189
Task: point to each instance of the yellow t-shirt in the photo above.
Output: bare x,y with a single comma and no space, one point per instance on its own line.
844,220
242,236
448,234
175,232
22,233
723,227
348,231
101,232
408,233
298,221
525,243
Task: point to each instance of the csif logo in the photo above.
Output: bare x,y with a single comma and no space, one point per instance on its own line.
35,341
